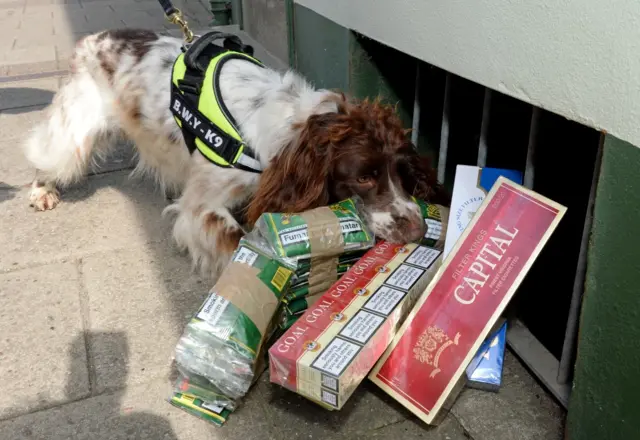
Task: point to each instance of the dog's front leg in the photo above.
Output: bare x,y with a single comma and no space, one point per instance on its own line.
204,224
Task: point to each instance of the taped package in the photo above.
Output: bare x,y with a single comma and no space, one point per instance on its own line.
224,339
424,366
334,344
327,231
435,218
320,245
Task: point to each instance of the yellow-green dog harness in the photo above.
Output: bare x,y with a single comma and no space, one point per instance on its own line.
197,105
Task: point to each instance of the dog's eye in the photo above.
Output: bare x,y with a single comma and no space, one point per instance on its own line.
365,179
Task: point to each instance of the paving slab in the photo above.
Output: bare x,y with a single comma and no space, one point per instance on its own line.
16,123
28,55
140,413
147,293
106,212
40,317
521,406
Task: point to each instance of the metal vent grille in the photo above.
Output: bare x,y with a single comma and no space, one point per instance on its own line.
460,122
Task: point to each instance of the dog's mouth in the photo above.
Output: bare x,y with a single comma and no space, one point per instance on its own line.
396,229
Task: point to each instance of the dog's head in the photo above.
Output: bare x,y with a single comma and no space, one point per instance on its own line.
362,149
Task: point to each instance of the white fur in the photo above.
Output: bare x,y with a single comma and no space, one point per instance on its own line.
120,88
90,111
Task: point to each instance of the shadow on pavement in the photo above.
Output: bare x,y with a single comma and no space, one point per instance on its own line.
7,192
109,419
18,100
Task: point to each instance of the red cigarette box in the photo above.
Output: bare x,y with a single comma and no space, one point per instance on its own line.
334,345
427,358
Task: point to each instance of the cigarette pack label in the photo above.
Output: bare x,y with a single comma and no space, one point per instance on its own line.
246,256
384,300
434,229
300,234
212,309
404,277
423,257
362,326
452,318
337,340
335,358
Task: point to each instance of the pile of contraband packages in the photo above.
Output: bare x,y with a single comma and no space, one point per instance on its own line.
318,300
279,270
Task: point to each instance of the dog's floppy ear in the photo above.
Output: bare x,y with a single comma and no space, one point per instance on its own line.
297,179
419,178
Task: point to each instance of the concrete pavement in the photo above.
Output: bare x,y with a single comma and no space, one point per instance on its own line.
93,295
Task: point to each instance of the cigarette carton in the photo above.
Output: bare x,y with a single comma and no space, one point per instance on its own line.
327,352
424,365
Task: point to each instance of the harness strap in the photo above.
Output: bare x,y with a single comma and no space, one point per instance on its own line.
169,10
211,129
195,125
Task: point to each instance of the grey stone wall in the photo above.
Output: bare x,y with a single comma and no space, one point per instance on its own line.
266,22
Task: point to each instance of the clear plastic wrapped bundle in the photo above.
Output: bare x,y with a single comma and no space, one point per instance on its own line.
224,339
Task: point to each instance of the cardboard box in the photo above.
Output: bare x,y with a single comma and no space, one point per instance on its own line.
470,187
427,359
333,345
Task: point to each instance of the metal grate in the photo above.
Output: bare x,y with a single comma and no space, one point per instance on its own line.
560,159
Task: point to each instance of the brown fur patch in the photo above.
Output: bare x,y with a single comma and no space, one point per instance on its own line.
107,64
136,41
130,113
227,237
237,191
213,222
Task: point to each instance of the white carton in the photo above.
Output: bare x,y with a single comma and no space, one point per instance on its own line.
470,187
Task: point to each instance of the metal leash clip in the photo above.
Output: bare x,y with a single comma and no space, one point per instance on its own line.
176,18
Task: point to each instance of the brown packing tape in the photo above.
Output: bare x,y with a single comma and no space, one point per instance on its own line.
444,218
325,233
240,285
322,274
312,299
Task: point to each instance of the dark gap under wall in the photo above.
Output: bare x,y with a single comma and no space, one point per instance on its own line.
508,136
432,81
564,163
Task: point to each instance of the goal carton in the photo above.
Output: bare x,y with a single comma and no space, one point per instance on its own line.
335,343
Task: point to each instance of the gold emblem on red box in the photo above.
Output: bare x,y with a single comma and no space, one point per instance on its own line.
431,345
361,291
337,317
382,269
401,250
311,346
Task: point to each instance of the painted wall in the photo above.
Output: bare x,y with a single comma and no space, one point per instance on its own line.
265,21
576,58
606,390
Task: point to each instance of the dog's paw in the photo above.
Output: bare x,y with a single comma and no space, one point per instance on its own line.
43,196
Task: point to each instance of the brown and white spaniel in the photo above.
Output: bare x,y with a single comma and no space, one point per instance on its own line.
315,146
